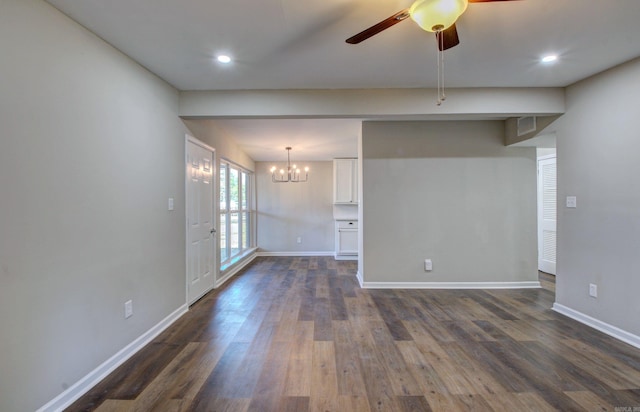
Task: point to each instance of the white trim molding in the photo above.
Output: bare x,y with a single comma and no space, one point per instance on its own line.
603,327
294,254
360,279
345,257
66,398
235,269
448,285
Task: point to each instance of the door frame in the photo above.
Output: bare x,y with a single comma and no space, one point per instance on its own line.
214,215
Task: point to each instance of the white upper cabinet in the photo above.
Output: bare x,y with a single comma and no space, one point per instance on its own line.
345,181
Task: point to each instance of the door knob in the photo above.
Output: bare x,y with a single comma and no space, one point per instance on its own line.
212,231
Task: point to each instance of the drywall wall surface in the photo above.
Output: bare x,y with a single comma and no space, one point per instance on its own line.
371,103
599,240
288,211
91,149
207,132
450,192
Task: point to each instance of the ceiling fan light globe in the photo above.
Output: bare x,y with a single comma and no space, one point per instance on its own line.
436,15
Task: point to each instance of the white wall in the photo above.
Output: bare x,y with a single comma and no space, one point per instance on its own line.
598,242
540,152
449,191
91,148
373,103
290,210
207,131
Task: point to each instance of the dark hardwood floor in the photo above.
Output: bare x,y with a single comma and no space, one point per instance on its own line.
298,334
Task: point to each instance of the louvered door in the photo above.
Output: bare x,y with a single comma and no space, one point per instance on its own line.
547,198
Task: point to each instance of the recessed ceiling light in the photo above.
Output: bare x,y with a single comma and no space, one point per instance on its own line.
549,58
223,58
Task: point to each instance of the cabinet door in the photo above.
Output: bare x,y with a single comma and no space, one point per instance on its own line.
344,181
354,180
347,241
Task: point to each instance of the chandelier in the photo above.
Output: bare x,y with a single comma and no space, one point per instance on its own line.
291,174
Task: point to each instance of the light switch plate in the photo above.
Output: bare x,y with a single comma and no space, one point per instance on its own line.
572,201
128,309
170,203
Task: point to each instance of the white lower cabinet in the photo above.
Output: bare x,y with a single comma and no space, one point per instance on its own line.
346,239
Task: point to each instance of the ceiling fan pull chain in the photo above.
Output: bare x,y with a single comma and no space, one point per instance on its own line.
441,95
438,102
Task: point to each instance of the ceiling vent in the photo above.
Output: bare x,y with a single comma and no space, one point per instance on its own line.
526,125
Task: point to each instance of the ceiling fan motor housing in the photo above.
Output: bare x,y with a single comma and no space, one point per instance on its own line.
437,15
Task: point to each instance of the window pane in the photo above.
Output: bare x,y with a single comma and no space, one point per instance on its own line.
245,190
235,216
245,231
224,254
223,187
234,235
233,188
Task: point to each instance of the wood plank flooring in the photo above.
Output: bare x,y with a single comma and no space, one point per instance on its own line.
298,334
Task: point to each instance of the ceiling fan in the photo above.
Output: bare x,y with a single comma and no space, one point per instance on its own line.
438,16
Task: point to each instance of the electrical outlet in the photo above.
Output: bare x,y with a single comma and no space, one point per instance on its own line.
593,290
128,309
299,239
428,265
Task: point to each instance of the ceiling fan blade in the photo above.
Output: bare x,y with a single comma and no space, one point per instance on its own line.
377,28
448,38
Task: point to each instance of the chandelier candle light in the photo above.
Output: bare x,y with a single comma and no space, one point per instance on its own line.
290,174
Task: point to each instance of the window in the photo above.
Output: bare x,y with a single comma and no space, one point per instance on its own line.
235,212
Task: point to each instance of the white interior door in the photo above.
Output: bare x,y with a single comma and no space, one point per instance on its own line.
201,234
547,198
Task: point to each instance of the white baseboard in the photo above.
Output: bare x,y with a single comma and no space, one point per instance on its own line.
360,279
345,257
603,327
231,273
66,398
448,285
294,254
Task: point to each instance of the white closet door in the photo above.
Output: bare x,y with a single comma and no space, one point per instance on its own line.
201,229
547,198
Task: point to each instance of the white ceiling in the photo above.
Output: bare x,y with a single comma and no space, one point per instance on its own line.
310,139
294,44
